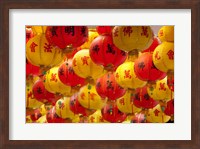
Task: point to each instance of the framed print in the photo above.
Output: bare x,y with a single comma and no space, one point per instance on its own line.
19,17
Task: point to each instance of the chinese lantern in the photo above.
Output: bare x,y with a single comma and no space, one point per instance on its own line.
163,56
129,38
145,69
143,100
125,103
155,43
112,114
104,52
29,34
104,30
39,29
169,110
91,36
31,69
40,52
42,119
54,85
170,80
67,76
166,33
36,114
156,115
160,91
77,108
89,98
107,87
41,94
52,117
126,77
63,36
96,117
63,108
84,67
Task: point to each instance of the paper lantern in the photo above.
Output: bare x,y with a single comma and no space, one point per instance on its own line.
63,108
39,29
152,47
107,87
77,108
89,98
63,36
125,103
29,34
67,76
129,38
104,30
31,69
52,117
143,100
160,91
163,56
145,69
96,117
126,78
112,114
169,110
54,85
42,95
91,36
41,53
104,52
166,33
156,115
84,67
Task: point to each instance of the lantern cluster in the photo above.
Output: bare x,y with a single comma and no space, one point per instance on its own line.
99,74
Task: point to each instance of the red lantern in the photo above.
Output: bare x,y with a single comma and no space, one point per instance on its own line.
145,69
42,95
155,43
67,76
52,117
112,114
63,36
29,34
107,86
77,108
104,52
142,99
170,108
102,30
31,69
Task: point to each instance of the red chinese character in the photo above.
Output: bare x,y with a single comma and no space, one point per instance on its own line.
82,96
47,48
121,101
162,86
92,119
156,112
117,75
170,54
157,57
74,62
127,31
144,31
92,96
116,31
84,60
53,77
32,46
127,74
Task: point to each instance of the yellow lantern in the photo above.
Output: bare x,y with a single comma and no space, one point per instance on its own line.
166,33
44,109
63,108
156,115
129,38
125,103
89,98
42,119
96,117
160,91
163,56
41,53
91,36
39,29
54,85
126,78
84,67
